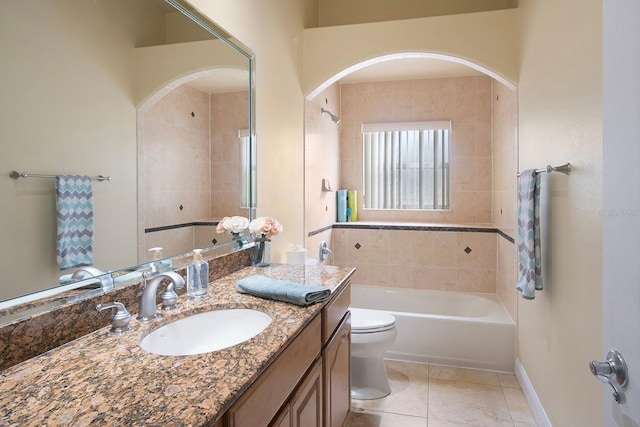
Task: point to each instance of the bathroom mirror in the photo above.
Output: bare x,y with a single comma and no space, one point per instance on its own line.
147,92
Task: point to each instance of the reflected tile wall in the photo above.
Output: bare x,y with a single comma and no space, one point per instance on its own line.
229,114
190,164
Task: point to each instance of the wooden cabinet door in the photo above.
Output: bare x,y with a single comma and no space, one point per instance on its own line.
306,404
284,419
336,364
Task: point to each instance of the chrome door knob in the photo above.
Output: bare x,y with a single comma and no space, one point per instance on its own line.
614,372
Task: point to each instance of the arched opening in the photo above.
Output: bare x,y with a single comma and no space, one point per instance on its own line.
481,106
407,56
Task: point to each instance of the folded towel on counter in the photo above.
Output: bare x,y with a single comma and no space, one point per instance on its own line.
529,248
74,202
282,290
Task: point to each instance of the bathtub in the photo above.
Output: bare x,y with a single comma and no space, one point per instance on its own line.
461,329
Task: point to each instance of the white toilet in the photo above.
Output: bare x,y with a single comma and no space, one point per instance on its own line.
372,333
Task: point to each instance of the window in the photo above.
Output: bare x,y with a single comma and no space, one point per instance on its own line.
248,169
406,165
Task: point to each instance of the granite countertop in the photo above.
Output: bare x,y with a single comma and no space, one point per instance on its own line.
108,380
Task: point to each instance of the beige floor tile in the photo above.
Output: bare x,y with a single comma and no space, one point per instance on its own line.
508,380
361,418
518,407
462,374
409,390
438,423
463,402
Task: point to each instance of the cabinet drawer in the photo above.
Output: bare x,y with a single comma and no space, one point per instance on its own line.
334,312
261,402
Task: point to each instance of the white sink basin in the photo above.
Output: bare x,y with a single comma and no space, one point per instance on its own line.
206,332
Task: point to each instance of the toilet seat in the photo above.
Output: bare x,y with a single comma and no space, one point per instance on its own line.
365,321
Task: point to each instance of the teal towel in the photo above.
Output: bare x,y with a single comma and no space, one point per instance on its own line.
529,248
74,202
281,290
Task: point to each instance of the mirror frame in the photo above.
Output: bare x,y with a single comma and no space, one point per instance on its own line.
19,307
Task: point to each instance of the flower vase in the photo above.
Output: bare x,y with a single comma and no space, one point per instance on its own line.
238,240
262,251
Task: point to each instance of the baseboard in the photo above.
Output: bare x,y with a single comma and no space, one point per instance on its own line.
530,395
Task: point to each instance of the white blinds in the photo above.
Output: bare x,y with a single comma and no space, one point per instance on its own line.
406,165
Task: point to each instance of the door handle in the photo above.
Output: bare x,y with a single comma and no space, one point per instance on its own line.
614,372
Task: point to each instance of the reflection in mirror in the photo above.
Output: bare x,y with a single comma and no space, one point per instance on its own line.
135,90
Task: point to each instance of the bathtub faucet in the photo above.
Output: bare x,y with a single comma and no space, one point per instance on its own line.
324,251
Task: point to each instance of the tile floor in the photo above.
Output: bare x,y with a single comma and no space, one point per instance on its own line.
440,396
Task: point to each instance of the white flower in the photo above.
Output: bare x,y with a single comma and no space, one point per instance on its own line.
265,225
235,224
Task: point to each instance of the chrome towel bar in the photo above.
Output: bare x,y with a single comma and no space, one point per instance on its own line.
565,169
16,175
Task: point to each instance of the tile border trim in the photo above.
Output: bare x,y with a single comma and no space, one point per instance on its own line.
183,225
452,228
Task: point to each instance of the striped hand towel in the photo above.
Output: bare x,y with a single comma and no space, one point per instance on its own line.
74,201
529,250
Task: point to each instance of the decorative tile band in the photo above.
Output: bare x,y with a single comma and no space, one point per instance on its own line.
174,226
320,230
399,227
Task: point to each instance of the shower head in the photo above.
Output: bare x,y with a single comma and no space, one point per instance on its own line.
335,119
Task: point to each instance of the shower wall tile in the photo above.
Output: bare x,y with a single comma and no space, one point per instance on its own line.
466,101
423,259
505,167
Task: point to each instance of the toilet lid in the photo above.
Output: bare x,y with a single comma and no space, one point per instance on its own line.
366,321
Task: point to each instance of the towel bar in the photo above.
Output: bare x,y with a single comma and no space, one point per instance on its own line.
565,169
16,175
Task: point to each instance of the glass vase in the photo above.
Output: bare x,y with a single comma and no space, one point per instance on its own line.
262,252
238,240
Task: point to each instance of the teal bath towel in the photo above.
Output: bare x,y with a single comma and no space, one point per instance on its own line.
281,290
529,248
74,202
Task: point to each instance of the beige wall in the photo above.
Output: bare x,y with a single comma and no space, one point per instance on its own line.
339,12
274,33
560,115
465,101
322,161
65,109
486,39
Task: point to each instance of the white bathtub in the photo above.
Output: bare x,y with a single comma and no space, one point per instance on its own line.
470,330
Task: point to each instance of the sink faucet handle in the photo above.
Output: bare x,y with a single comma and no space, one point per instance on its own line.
169,297
120,319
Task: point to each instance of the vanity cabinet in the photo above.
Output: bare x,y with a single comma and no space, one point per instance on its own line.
259,405
308,384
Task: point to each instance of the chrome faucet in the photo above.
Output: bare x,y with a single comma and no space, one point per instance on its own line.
325,251
104,279
147,310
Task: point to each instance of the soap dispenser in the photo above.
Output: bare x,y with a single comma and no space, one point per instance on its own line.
159,265
197,277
